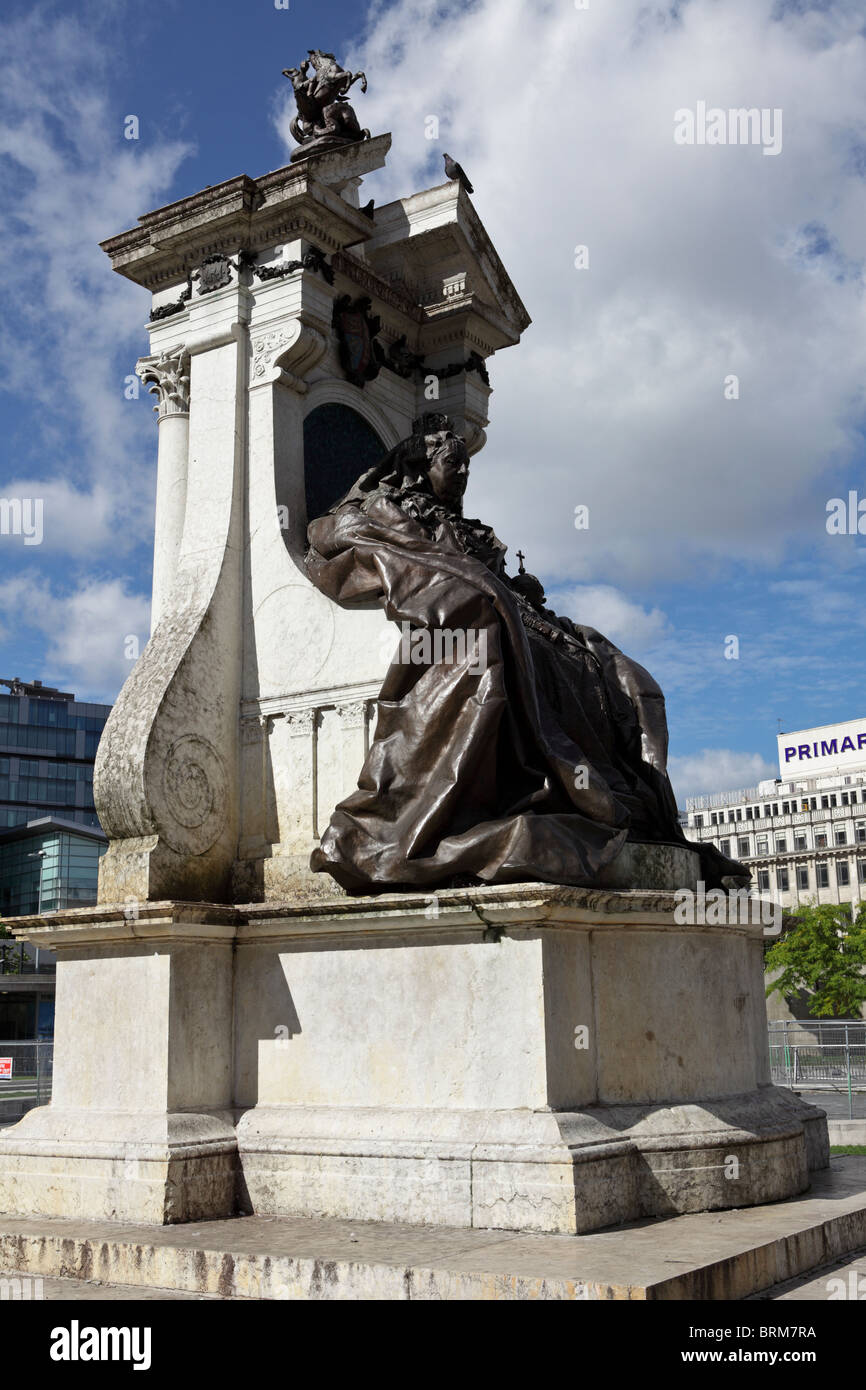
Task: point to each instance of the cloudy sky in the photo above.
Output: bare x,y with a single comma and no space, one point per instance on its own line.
707,514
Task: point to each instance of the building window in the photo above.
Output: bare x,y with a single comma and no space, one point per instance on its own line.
725,847
800,840
782,880
841,835
699,820
764,879
825,803
781,844
822,876
861,870
748,813
843,877
860,832
802,877
743,846
844,798
820,839
762,845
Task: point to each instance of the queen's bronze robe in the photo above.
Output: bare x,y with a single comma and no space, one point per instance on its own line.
536,767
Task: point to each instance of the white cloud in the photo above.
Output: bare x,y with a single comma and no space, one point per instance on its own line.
601,606
78,523
717,770
700,265
86,630
73,328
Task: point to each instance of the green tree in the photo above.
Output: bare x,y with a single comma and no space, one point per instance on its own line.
822,953
8,961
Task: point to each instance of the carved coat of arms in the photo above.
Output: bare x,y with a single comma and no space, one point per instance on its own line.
360,354
213,273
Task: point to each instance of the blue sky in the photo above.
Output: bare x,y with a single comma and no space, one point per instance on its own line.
707,515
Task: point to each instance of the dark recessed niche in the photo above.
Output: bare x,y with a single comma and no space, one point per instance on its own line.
339,445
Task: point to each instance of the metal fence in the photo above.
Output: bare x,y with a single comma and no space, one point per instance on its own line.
812,1055
26,1070
816,1055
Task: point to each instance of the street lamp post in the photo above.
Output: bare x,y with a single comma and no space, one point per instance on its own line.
38,854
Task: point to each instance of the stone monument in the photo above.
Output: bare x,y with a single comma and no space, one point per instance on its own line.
235,1031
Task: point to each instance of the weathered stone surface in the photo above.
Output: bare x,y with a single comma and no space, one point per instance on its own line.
718,1255
530,1057
140,1125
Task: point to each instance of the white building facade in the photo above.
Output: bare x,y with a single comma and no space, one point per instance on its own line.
803,835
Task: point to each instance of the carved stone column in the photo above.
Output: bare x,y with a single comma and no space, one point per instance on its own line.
353,743
166,774
167,376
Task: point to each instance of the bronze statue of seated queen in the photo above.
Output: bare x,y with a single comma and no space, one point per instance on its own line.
522,746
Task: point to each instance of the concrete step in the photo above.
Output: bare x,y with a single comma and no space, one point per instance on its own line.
842,1281
710,1255
17,1289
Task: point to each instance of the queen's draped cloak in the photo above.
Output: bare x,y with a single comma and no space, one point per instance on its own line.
537,762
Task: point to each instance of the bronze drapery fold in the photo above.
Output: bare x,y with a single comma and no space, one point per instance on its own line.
530,750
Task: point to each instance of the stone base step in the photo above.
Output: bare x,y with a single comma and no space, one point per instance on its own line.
18,1289
842,1281
710,1255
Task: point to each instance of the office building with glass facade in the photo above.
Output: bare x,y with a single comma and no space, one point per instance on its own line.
47,865
50,838
48,742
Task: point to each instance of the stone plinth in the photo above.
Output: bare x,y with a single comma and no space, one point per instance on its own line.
529,1058
140,1123
524,1057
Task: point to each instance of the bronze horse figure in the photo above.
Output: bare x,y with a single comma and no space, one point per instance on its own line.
323,109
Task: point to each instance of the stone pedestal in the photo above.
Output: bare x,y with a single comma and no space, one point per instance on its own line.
523,1058
140,1123
527,1058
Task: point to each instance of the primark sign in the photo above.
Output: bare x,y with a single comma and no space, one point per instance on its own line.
825,749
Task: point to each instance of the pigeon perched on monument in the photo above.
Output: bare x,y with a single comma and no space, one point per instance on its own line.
456,171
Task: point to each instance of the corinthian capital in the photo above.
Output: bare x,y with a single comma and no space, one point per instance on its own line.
168,376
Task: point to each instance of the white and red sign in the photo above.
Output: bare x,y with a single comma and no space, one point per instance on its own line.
829,748
5,1068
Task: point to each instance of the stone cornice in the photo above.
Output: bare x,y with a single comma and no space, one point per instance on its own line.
521,906
288,204
375,286
438,227
275,705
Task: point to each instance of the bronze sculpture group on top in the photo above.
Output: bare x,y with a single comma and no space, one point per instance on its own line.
325,118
